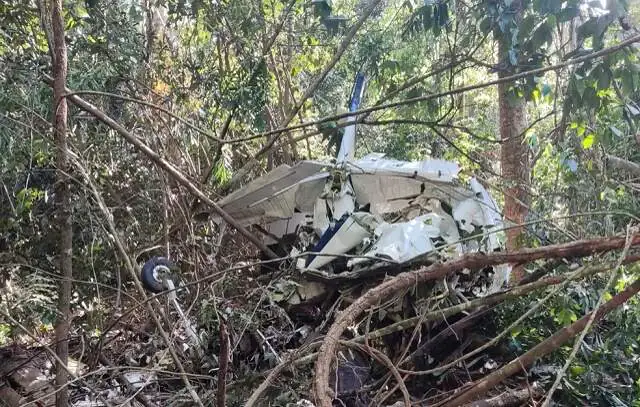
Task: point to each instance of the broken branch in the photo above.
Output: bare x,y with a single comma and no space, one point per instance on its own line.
346,41
164,164
544,348
436,271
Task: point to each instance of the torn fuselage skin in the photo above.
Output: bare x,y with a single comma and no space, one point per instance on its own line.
353,215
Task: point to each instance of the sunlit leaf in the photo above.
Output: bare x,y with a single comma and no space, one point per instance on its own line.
588,140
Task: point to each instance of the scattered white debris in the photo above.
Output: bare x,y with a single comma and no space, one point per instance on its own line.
371,208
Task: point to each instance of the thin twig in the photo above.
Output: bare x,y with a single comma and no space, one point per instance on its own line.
133,275
578,343
456,91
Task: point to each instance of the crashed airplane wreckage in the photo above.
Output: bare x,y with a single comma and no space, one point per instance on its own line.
359,214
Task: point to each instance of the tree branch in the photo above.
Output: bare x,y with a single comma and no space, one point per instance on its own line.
544,348
346,41
623,165
165,165
128,263
440,270
463,89
62,200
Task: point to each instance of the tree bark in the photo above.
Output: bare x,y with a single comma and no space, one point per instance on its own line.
514,154
621,164
62,201
175,173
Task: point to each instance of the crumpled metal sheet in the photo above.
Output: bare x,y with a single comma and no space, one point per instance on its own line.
434,170
345,205
277,194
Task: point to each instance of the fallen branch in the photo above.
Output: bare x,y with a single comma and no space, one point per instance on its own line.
623,165
578,344
128,263
273,375
164,164
409,323
509,398
544,348
455,329
436,271
223,363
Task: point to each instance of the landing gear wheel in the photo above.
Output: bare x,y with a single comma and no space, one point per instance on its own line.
153,271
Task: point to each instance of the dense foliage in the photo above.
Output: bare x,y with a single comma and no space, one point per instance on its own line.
181,74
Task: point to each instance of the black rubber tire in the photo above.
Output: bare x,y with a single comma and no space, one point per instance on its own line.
149,282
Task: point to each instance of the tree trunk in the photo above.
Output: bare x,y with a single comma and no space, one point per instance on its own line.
514,156
62,199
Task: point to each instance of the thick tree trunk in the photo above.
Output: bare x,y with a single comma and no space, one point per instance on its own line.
514,158
62,199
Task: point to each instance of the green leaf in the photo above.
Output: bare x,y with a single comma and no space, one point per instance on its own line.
567,14
577,370
536,95
588,141
566,316
616,131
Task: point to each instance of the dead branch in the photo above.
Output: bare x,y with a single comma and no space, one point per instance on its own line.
409,323
227,123
223,361
436,271
542,349
623,165
454,329
151,105
165,165
273,375
128,263
576,346
509,398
